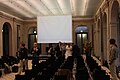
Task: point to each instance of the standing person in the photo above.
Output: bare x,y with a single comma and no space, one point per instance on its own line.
58,50
35,52
76,51
23,56
112,58
87,48
68,50
51,50
63,46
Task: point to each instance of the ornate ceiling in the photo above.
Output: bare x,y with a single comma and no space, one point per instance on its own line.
30,9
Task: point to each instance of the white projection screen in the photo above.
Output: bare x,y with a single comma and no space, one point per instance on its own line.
52,29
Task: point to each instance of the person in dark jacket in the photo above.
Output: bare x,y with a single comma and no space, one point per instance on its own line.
23,56
35,52
58,49
76,51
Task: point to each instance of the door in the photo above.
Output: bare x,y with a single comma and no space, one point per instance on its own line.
80,40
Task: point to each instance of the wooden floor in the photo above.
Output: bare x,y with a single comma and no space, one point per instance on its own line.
10,76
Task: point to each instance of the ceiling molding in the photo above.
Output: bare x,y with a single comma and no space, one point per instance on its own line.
59,7
101,5
46,6
27,7
72,8
9,15
32,20
30,9
77,19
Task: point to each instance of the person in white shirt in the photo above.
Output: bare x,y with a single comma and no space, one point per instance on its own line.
68,50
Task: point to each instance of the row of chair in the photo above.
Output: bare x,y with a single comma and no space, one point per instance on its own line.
10,60
68,64
42,71
96,70
6,62
81,70
65,70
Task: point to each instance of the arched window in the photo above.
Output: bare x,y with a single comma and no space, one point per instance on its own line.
6,39
32,37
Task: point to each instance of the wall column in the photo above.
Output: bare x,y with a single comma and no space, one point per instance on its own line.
98,43
113,31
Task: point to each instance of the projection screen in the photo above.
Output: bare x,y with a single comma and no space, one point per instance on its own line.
52,29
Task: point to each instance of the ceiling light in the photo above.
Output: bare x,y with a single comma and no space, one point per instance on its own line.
81,31
34,32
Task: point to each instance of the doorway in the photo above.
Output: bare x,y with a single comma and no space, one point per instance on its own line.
81,37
